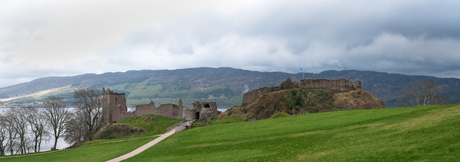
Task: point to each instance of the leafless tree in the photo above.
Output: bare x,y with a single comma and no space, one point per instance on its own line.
18,120
422,93
11,133
3,134
37,121
89,103
56,114
75,129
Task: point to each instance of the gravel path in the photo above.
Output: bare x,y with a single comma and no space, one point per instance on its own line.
143,147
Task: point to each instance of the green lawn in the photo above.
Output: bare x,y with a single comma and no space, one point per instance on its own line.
401,134
429,133
97,150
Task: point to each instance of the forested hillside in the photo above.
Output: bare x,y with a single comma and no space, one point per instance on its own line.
223,85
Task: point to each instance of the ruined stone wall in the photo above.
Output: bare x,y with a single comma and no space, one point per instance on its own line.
189,113
129,115
338,85
114,109
212,107
145,109
206,115
167,110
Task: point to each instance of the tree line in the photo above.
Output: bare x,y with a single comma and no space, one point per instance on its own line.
24,129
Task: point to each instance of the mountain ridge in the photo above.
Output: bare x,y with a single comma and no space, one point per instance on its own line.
224,85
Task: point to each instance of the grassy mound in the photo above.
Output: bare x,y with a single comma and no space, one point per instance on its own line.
120,131
154,124
402,134
280,115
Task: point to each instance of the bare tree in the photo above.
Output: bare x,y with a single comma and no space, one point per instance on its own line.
18,120
37,121
422,93
57,115
11,133
75,129
89,102
3,134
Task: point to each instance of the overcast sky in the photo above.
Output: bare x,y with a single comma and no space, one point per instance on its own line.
43,38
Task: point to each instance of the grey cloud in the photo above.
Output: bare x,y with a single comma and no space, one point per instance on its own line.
297,47
353,23
410,37
272,50
181,49
324,36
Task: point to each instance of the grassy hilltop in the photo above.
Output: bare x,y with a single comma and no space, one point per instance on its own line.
430,133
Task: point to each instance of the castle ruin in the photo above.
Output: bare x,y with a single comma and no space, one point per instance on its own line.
114,109
337,85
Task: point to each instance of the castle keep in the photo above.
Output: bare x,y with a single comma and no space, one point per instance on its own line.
114,109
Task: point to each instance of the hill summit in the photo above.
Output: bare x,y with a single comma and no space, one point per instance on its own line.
304,96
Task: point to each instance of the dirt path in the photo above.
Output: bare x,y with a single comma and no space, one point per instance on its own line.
143,147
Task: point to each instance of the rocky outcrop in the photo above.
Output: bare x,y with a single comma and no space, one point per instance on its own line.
336,85
305,96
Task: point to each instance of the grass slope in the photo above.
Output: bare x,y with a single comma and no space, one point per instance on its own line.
153,127
97,150
403,134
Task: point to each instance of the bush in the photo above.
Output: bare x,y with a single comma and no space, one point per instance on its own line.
280,115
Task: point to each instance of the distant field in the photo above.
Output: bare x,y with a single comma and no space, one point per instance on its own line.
401,134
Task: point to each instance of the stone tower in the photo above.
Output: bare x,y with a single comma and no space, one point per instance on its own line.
113,106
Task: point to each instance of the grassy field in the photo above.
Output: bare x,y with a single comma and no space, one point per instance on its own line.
429,133
401,134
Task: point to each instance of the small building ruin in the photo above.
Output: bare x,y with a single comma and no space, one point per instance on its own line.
114,109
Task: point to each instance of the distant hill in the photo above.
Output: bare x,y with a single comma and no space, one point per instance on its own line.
223,85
